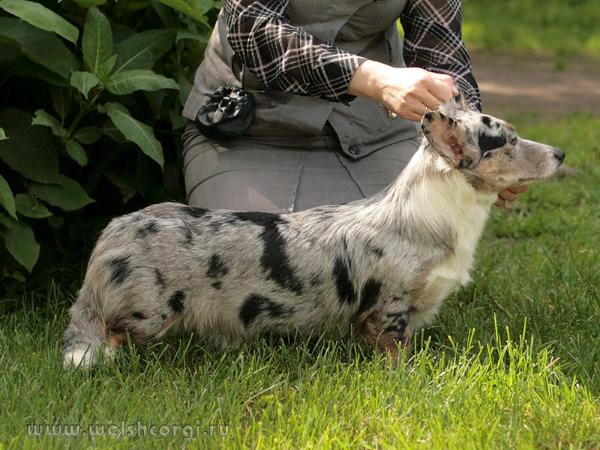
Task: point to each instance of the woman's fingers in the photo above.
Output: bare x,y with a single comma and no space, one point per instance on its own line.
429,100
448,81
413,115
508,196
518,189
442,90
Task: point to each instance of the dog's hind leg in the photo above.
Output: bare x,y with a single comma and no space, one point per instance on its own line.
388,331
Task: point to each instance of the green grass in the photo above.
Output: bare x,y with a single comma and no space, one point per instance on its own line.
558,28
513,361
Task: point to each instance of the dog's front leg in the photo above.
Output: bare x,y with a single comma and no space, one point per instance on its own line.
388,331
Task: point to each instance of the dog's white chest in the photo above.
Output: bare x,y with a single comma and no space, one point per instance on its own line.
454,271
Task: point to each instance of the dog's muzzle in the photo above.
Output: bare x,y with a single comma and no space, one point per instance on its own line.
559,154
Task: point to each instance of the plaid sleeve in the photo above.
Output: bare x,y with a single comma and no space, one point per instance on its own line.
433,41
285,57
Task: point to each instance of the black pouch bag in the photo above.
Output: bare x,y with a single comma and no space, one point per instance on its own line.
227,114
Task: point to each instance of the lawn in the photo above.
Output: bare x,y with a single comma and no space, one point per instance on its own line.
513,361
559,28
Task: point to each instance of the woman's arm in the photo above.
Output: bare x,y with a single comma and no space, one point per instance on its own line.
433,41
284,56
437,59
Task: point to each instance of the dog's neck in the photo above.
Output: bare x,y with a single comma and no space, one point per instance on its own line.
432,203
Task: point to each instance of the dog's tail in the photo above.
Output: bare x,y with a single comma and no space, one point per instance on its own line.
86,334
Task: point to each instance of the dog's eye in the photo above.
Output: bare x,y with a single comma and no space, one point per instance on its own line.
513,141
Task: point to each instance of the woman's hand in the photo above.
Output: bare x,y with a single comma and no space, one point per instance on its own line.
506,197
407,92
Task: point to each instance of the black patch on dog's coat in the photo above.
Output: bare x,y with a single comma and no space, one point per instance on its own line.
138,315
399,322
216,267
369,294
256,304
276,262
176,301
487,121
160,278
148,228
193,211
217,285
343,283
487,142
274,259
262,219
120,269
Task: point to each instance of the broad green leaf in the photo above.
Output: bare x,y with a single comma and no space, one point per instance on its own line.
2,134
44,119
21,244
30,149
105,68
89,3
41,17
185,87
155,99
76,152
84,82
167,15
177,120
135,131
66,194
97,43
61,100
138,80
31,207
189,35
109,130
41,47
6,197
87,135
189,10
142,50
203,6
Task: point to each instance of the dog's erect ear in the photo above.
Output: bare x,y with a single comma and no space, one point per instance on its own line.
460,101
447,137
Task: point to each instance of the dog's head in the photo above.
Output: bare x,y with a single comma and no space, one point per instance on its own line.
487,150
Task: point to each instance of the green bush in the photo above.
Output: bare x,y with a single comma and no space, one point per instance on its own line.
91,94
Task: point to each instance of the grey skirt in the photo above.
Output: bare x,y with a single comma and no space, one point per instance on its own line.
284,174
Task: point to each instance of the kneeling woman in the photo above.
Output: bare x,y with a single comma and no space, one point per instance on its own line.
337,98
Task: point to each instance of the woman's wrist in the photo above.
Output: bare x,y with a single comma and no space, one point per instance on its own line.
366,81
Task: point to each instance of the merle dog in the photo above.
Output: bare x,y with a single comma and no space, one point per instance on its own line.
381,266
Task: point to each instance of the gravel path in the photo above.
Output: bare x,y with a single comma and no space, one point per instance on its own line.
511,84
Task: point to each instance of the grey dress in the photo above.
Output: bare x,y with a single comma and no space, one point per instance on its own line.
302,150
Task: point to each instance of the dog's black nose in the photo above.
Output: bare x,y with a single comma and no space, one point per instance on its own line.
559,154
